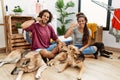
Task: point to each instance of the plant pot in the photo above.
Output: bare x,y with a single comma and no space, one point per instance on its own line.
18,13
20,30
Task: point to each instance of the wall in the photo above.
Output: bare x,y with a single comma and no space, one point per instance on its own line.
2,37
29,9
108,39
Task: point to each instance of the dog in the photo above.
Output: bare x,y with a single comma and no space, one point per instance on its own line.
69,56
13,56
60,58
32,61
101,49
58,50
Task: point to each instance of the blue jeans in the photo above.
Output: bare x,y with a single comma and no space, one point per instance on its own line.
50,48
88,50
28,38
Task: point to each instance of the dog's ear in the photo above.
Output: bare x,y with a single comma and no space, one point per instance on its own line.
60,45
26,62
24,52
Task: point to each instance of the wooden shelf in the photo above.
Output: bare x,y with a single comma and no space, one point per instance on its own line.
14,40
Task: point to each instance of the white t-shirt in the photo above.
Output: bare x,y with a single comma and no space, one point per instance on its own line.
77,36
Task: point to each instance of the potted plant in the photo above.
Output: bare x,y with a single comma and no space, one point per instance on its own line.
17,10
18,25
63,15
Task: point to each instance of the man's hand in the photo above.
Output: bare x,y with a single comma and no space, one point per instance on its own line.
38,19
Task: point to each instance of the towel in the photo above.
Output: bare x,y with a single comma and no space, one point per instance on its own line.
93,28
116,22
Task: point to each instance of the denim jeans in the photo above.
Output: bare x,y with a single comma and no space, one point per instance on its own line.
88,50
50,48
28,38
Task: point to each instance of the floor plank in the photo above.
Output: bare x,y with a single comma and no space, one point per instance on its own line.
100,69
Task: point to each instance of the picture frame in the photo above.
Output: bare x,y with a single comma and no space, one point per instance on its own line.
1,13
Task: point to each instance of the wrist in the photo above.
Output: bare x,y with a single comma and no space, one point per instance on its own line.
71,28
34,19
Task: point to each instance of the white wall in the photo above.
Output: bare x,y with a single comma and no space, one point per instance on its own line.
29,9
2,37
108,39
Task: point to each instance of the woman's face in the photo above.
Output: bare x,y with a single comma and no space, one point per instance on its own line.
45,17
81,22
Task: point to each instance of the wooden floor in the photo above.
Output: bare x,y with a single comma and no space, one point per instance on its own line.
100,69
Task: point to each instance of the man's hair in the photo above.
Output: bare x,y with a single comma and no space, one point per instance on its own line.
43,11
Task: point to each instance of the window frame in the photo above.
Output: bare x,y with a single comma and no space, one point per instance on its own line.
108,14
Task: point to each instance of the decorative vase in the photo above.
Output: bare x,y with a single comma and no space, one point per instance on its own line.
18,13
20,30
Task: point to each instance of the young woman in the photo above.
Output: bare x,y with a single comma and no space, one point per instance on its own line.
81,35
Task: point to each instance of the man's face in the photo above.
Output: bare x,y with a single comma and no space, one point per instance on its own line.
45,18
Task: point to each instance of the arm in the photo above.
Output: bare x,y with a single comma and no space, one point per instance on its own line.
85,46
57,41
26,24
69,31
89,41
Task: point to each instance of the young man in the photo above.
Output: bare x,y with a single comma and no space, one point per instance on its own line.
42,32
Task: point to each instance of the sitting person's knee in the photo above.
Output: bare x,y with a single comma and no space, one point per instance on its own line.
46,54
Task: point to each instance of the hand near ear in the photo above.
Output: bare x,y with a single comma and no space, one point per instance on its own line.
73,25
38,19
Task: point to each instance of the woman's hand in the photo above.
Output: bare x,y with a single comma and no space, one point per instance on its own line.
81,49
74,25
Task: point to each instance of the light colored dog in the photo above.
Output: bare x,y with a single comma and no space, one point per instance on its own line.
70,56
13,56
30,62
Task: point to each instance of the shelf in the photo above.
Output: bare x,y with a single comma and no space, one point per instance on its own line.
13,39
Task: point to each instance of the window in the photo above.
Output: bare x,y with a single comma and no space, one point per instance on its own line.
96,13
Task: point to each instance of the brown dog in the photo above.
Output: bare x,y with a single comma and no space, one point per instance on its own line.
69,57
62,55
30,62
13,56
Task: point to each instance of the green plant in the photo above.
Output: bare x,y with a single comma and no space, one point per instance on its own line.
18,25
63,15
17,9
